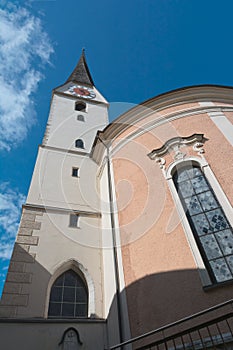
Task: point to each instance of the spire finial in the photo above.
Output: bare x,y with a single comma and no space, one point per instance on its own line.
81,73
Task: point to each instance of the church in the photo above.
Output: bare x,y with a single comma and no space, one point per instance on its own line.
125,239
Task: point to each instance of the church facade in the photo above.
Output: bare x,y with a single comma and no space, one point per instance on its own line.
127,227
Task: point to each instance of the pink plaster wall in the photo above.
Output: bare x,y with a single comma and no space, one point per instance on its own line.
162,281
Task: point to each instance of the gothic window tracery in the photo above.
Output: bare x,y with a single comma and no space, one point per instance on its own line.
211,229
68,297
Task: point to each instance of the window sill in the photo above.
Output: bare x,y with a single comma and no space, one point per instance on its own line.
52,320
217,285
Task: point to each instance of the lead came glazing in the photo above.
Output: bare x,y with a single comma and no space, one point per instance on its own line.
210,226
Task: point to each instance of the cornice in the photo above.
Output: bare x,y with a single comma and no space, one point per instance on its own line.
46,208
192,94
63,150
101,142
176,142
78,98
52,320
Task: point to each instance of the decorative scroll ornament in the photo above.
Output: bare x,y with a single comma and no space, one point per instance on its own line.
161,162
198,147
174,146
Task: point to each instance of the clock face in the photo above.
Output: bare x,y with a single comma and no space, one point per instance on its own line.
81,91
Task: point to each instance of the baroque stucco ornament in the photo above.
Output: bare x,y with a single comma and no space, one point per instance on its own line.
174,146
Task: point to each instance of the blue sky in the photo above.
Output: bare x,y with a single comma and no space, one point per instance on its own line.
135,50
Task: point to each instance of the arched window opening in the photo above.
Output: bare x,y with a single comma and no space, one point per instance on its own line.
79,143
210,227
80,106
70,339
80,118
68,297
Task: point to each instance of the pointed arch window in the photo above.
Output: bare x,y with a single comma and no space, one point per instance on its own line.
79,143
210,227
68,297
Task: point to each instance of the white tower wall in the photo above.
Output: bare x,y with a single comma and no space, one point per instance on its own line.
48,244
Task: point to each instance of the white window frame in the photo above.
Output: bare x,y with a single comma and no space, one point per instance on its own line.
223,201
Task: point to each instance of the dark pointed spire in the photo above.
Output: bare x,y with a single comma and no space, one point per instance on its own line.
81,73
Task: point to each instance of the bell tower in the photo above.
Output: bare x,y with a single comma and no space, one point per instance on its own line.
56,270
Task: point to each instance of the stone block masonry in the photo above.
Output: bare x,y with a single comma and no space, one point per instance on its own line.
17,276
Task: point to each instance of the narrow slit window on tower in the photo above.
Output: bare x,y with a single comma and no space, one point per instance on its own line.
80,106
74,220
211,229
79,143
75,172
68,297
80,118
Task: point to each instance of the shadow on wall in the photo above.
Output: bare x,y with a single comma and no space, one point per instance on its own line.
24,307
25,289
153,301
159,299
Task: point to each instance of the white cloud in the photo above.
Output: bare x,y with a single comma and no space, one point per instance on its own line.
10,210
25,49
6,250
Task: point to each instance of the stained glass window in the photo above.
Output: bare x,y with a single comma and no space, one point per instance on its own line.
68,297
211,229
